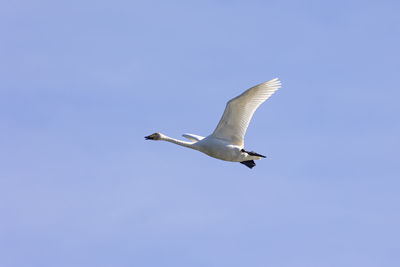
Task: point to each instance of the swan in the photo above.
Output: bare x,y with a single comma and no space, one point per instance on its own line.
226,142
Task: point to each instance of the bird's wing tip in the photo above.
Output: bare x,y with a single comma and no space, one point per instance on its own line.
275,83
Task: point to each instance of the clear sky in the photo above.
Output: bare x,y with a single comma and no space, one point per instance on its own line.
82,82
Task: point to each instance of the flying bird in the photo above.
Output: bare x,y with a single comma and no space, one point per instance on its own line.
226,142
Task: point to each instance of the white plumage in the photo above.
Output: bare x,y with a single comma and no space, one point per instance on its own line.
227,140
193,137
239,111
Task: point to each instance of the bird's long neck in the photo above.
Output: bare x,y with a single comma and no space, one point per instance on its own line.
178,142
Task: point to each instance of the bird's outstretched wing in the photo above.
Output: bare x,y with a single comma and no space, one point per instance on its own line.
239,110
193,137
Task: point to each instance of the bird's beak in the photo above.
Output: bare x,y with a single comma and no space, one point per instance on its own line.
150,137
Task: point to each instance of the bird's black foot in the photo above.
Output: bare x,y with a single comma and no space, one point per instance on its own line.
252,153
249,163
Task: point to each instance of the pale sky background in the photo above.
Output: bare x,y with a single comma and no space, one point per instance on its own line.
82,82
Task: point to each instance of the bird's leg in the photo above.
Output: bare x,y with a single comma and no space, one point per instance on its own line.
249,163
252,153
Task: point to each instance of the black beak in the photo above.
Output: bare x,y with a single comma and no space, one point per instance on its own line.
149,137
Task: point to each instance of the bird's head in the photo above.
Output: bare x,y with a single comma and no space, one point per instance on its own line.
154,136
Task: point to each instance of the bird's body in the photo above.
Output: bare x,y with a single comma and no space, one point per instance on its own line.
226,142
221,149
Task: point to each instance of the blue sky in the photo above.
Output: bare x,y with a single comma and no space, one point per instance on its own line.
82,82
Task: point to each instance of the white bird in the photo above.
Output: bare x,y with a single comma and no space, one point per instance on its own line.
226,142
